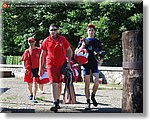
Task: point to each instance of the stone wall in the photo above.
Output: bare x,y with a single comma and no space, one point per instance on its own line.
17,70
113,75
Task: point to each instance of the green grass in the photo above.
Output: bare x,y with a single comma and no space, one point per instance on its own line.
8,98
40,98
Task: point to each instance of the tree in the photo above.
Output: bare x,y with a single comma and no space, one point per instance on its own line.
22,20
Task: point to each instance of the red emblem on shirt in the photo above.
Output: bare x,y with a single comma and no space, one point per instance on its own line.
4,5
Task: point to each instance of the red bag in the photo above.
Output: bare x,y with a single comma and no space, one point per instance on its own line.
81,56
44,79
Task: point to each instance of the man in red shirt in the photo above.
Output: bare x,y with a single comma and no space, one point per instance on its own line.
55,48
31,56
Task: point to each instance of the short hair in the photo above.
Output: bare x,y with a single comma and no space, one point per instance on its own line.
53,25
91,26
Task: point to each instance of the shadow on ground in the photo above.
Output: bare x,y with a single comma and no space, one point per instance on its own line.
8,110
101,110
2,90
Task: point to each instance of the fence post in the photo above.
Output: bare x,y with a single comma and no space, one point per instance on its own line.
132,96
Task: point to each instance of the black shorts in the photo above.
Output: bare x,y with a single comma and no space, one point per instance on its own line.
90,67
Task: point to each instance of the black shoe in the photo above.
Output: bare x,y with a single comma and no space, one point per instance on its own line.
34,100
54,108
30,97
88,106
58,106
93,100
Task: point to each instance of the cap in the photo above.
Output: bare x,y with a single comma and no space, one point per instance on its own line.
31,39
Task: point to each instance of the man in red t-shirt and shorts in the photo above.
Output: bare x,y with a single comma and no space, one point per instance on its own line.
55,49
31,56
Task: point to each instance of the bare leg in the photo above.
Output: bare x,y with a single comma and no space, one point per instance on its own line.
30,88
87,85
95,88
96,82
87,91
59,89
41,86
55,91
35,87
55,87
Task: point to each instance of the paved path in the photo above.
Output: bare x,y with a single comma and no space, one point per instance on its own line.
14,98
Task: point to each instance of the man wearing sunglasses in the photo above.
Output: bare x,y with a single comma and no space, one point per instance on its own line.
55,48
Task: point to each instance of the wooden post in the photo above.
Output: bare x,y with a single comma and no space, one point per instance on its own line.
132,96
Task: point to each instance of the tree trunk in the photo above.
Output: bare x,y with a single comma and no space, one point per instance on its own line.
132,43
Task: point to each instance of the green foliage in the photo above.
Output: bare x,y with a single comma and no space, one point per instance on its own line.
22,20
12,60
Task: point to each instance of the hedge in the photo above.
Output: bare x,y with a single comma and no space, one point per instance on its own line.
11,60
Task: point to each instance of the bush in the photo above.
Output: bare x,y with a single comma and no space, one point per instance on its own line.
12,60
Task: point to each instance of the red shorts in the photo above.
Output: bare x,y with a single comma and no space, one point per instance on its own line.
54,74
43,81
28,78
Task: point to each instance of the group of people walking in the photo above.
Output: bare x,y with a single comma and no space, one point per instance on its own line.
51,56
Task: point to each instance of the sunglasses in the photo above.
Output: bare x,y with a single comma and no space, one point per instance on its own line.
53,29
31,41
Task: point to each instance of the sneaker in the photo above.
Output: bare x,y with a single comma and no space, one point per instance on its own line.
88,106
42,92
93,100
30,97
58,106
34,100
54,107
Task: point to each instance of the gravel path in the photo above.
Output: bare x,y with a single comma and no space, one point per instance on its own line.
14,98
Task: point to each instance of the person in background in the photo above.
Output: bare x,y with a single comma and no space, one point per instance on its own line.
45,80
55,49
31,57
92,45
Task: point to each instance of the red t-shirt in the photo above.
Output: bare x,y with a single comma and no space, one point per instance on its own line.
56,50
35,56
